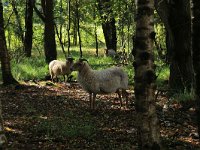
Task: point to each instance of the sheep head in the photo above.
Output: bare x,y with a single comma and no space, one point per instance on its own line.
70,61
77,66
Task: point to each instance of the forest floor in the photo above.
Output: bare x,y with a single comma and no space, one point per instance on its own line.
41,115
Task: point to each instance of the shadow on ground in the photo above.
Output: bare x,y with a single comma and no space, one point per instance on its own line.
48,116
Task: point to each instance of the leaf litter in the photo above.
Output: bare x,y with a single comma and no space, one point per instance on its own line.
57,116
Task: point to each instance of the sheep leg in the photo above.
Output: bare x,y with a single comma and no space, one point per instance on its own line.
90,96
94,98
120,97
125,94
64,77
56,79
51,78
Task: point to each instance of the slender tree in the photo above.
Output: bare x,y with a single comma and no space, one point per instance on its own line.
196,54
68,26
49,32
19,32
108,23
6,72
147,121
28,28
95,32
4,56
78,27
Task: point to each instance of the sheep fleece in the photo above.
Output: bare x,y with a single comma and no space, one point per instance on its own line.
103,81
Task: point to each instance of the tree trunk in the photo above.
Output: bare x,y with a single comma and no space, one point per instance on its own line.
49,33
18,20
95,32
68,27
29,28
196,54
147,121
176,17
108,24
60,40
75,32
78,27
4,56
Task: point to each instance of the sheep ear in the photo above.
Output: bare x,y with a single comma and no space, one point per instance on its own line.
82,59
70,58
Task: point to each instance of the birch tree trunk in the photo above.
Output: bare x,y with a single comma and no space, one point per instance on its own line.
147,121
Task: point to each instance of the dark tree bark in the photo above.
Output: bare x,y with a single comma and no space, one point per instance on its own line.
49,32
96,40
19,32
147,121
175,15
196,54
59,34
28,28
75,35
95,32
69,26
78,27
60,40
108,24
4,56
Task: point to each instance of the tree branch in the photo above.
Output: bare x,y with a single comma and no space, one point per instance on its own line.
8,22
40,15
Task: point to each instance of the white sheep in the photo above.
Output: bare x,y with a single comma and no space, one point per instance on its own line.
104,81
110,52
57,67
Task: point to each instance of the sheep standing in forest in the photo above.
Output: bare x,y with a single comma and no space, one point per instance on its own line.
57,68
110,52
105,81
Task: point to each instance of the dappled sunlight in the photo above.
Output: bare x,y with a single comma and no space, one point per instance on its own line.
48,113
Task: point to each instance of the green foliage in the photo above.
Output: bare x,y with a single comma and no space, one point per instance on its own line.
30,68
36,67
163,75
184,96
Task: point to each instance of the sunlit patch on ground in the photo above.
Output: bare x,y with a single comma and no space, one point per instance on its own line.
57,116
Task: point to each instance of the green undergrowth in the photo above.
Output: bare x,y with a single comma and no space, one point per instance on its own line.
30,68
183,96
35,68
162,74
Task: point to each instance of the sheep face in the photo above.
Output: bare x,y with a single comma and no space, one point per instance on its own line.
77,66
69,63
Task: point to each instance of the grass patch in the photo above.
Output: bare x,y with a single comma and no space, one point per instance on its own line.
30,68
163,76
183,96
36,67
